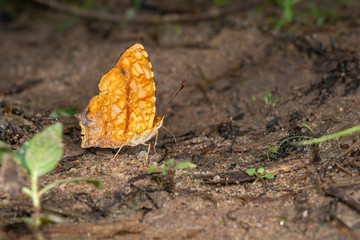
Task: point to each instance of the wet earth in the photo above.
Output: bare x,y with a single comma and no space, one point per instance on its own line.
248,88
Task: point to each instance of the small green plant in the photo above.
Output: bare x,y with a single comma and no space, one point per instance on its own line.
276,150
68,112
307,126
259,173
166,178
131,12
37,157
168,166
310,12
269,98
287,10
253,98
287,14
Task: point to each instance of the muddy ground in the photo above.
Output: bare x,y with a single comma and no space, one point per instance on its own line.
51,58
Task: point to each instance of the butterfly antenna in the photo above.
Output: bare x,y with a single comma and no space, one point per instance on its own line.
172,98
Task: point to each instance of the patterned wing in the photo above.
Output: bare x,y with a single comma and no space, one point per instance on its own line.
125,105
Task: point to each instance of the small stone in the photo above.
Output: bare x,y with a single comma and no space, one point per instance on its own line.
216,178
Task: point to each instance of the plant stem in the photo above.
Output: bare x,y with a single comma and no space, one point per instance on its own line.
35,199
331,136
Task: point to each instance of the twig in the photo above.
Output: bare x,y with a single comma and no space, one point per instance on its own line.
170,18
340,194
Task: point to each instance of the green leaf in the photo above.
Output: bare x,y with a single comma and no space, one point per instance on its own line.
165,169
28,220
260,170
4,149
41,154
307,126
152,169
94,182
20,155
250,171
182,165
170,161
68,112
269,176
272,149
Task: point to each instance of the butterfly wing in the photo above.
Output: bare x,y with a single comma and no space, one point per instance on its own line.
125,105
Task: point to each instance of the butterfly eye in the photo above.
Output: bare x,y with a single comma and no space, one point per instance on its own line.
123,71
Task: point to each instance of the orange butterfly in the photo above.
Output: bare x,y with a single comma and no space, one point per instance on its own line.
123,114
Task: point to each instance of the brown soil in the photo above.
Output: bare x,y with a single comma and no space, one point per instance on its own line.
220,120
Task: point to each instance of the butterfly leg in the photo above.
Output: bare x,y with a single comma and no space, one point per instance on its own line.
170,133
118,151
147,155
156,138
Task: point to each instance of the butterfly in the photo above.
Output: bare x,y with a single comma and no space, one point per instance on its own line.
123,113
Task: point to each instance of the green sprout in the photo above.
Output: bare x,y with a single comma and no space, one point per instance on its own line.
276,150
259,174
269,98
168,166
311,11
253,98
287,10
37,157
166,177
287,14
307,126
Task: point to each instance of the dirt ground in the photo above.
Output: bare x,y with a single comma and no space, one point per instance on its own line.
50,58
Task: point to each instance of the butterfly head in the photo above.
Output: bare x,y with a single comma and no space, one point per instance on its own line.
158,121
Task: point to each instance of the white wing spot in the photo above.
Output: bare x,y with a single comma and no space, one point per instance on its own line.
116,108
